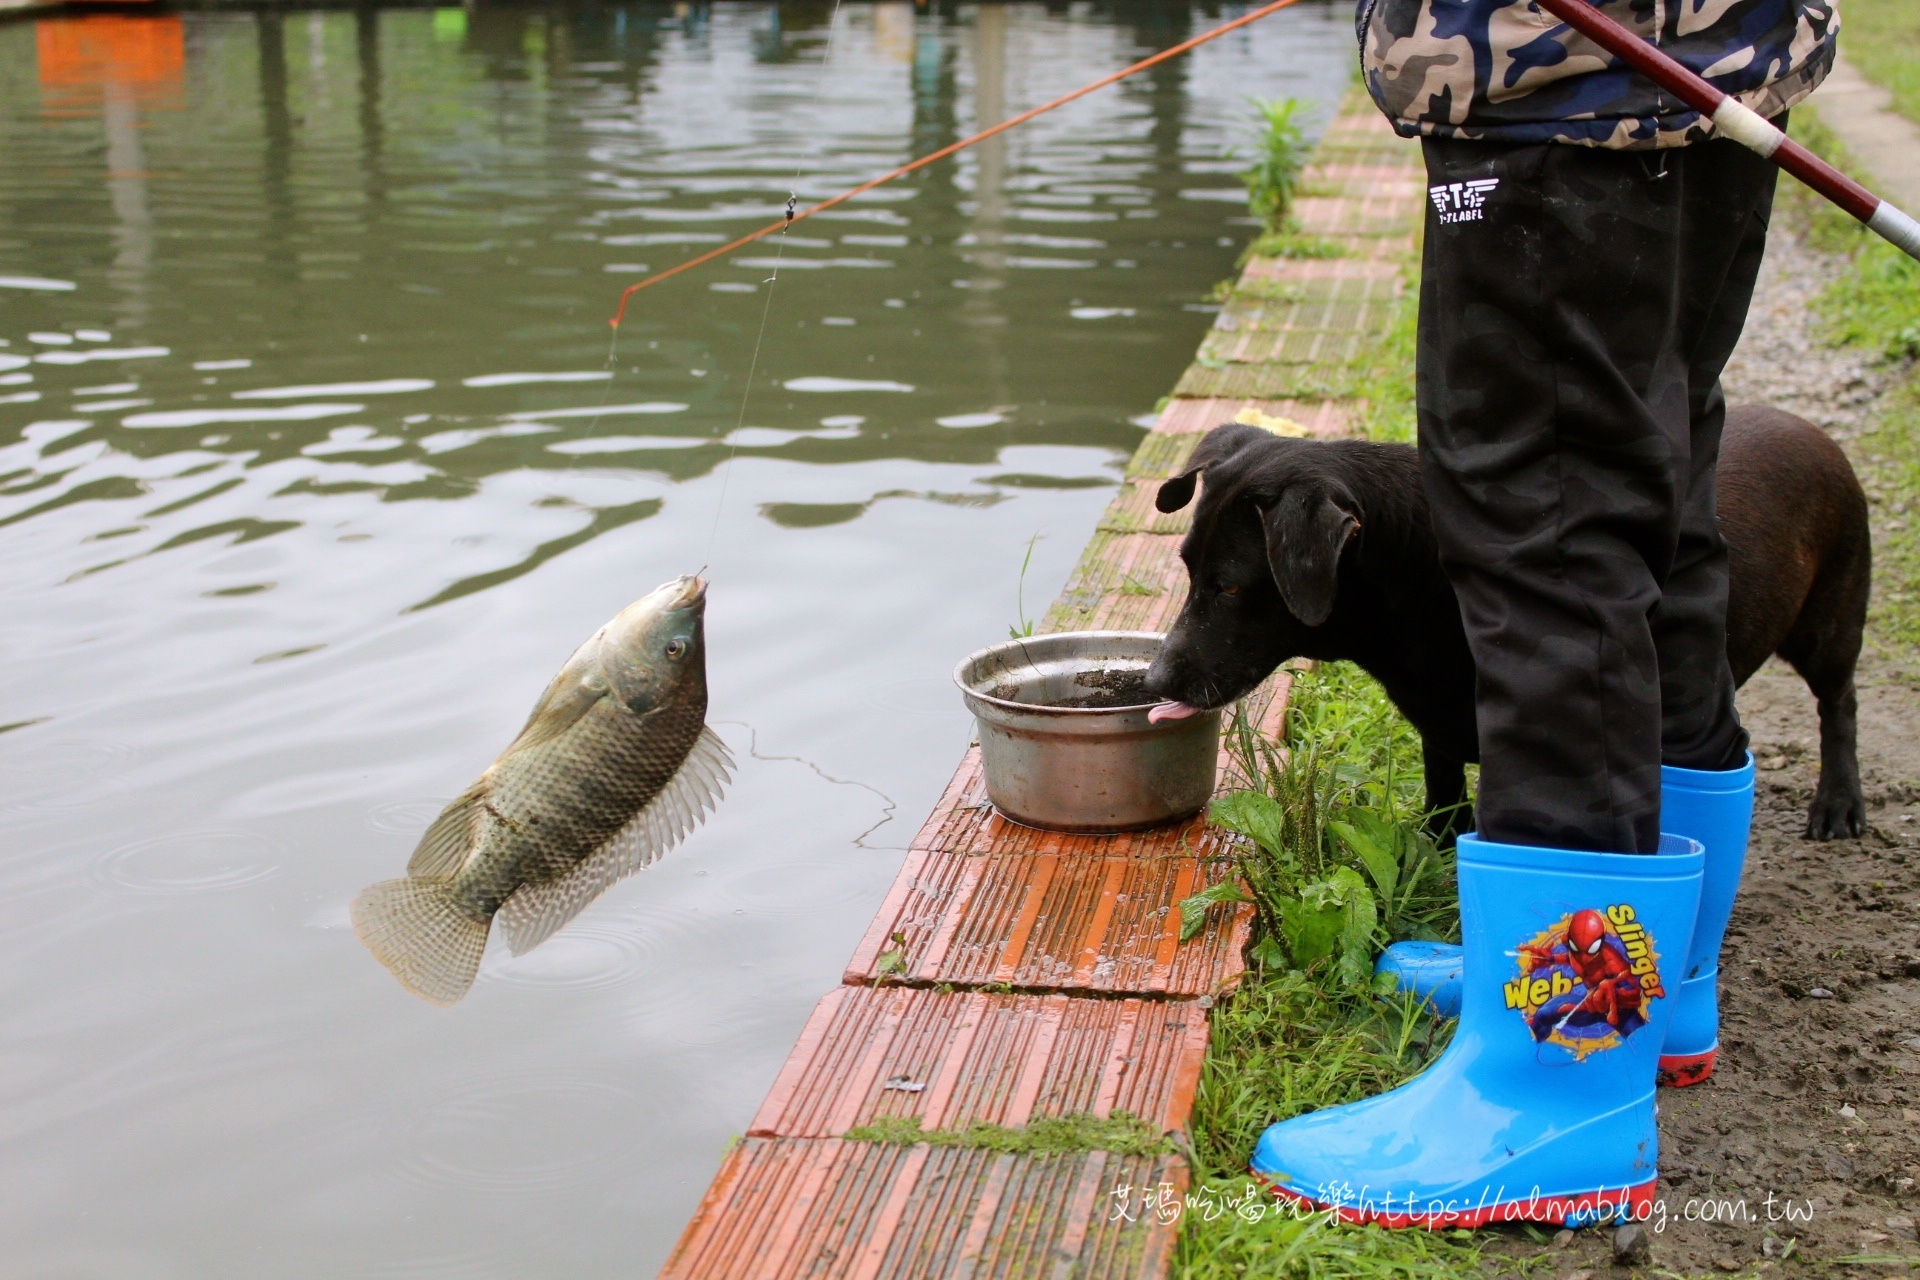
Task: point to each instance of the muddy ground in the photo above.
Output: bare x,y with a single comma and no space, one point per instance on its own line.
1816,1102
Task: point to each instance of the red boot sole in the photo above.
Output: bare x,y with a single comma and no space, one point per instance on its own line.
1680,1070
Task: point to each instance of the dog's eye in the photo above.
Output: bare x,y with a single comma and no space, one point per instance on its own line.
1227,590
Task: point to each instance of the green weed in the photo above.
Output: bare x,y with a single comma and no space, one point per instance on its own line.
1120,1132
1024,627
1336,860
1337,866
1280,153
1285,1247
1290,242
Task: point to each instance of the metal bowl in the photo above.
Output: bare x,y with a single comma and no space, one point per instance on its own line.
1054,761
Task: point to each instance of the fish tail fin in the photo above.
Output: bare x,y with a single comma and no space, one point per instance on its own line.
413,927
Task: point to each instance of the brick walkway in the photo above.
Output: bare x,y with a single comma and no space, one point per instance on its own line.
1014,974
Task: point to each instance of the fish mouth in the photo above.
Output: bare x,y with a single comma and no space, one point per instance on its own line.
687,591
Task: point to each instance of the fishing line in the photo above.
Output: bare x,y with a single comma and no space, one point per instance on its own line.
772,282
792,215
943,152
887,802
753,362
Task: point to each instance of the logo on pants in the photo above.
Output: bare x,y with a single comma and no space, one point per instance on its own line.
1585,982
1462,201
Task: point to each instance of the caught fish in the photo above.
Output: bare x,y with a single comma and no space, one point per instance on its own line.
615,765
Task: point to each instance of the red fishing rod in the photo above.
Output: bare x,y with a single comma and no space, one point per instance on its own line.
1734,119
793,215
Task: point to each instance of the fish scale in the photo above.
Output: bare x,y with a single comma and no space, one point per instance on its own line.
568,797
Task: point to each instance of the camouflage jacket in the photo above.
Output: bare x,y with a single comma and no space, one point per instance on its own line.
1508,71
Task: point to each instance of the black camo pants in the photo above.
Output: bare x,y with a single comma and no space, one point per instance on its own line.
1576,308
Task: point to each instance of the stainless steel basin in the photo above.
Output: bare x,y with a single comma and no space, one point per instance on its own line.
1065,739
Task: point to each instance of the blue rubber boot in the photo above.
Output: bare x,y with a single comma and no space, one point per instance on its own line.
1715,808
1542,1107
1430,970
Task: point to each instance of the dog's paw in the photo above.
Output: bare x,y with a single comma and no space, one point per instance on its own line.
1836,817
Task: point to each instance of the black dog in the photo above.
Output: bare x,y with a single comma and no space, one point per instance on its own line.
1360,580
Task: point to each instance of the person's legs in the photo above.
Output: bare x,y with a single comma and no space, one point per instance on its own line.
1707,775
1555,439
1727,198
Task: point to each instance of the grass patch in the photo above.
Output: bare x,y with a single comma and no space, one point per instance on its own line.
1307,1029
1882,38
1385,388
1118,1132
1888,459
1290,242
1874,305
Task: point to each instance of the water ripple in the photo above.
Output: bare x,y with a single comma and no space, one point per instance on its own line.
413,816
214,861
588,954
510,1132
66,775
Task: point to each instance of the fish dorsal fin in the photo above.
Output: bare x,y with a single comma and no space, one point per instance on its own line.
538,910
443,850
568,696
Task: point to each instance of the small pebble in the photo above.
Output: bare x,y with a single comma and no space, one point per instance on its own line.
1562,1238
1821,993
1846,1109
1632,1246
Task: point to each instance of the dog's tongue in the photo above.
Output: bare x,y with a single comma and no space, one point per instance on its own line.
1171,711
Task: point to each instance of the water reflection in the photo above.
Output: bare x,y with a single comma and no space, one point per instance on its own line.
314,465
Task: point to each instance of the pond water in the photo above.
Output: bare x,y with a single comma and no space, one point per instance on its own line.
314,466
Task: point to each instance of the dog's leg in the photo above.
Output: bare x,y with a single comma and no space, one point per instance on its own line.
1448,813
1824,647
1839,808
1825,661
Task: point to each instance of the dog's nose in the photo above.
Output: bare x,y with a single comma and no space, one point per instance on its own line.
1160,675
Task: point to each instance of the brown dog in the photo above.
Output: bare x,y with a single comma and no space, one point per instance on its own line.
1361,581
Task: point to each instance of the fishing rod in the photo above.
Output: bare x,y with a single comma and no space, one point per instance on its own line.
1734,119
794,215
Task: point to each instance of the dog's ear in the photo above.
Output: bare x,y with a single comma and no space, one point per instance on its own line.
1307,529
1214,448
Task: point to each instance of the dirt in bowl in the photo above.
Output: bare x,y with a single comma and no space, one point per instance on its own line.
1106,690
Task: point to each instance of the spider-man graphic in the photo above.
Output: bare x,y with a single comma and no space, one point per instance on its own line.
1584,984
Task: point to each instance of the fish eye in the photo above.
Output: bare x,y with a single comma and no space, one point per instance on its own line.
676,648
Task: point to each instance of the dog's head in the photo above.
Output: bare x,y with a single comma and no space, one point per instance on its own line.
1263,561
